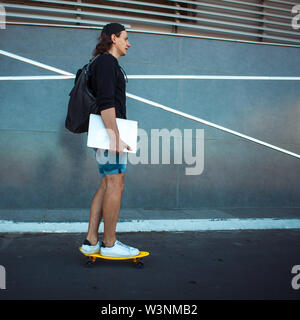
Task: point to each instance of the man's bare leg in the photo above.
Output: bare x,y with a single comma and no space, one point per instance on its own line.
96,213
111,206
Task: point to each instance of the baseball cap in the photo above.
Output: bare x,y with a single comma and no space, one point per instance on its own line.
112,28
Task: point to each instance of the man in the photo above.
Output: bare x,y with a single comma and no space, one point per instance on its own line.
108,85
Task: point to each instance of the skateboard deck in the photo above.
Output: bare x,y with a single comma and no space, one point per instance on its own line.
136,259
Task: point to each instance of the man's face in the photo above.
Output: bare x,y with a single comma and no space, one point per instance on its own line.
121,43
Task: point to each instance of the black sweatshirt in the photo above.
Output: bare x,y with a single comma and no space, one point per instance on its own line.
107,83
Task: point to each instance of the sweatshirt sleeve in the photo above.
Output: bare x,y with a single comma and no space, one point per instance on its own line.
106,82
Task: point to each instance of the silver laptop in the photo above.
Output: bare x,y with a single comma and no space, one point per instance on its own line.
98,137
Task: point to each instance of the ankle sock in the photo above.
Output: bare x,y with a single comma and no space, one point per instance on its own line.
86,242
104,246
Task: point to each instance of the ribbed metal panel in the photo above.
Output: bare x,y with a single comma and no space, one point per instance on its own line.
267,21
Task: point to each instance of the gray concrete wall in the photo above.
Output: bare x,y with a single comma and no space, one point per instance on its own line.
43,166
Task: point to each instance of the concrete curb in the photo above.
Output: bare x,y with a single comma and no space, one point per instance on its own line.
155,225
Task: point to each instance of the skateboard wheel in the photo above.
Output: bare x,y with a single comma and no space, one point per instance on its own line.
139,265
90,262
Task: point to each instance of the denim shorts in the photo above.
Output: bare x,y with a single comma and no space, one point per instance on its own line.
110,162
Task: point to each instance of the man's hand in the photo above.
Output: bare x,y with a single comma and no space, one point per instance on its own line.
116,143
118,146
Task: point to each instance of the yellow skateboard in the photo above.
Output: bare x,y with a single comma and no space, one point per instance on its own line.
136,259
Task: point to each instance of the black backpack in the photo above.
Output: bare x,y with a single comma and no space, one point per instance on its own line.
82,102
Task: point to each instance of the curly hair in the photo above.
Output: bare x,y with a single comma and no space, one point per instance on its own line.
104,44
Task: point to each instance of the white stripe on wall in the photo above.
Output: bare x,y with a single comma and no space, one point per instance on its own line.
156,225
35,63
211,124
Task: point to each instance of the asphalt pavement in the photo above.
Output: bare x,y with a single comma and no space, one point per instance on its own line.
182,265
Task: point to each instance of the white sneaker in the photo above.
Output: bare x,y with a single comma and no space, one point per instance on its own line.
87,248
118,250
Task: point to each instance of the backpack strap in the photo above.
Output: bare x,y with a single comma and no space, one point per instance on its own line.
124,73
90,63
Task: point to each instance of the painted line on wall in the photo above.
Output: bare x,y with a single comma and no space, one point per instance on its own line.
212,77
155,77
161,77
10,78
35,63
155,225
211,124
68,75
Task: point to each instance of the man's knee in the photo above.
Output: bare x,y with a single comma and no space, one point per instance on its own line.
115,181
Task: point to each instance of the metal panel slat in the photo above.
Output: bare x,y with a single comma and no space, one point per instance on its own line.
145,12
183,25
281,31
232,1
233,9
268,27
155,32
219,14
284,2
175,8
39,17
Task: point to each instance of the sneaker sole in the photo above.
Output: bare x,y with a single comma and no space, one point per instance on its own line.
87,252
115,256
